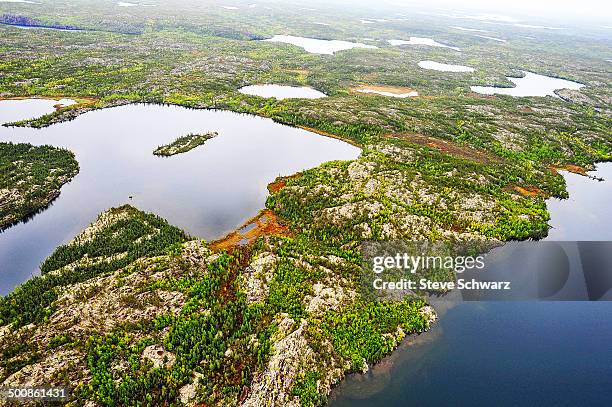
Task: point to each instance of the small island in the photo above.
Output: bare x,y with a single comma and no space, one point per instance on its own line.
184,144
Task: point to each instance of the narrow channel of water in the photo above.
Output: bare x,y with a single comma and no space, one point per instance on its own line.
519,353
208,191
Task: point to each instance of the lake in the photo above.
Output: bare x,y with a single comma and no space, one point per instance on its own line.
421,41
281,92
37,27
208,191
519,353
316,46
438,66
531,84
586,214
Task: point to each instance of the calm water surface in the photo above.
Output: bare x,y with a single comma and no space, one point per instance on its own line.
438,66
531,84
507,353
282,91
207,191
316,46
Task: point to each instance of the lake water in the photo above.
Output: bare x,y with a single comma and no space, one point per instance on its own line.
208,191
282,92
586,214
15,110
507,353
531,84
33,27
421,41
438,66
316,46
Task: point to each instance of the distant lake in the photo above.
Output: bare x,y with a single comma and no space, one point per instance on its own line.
208,191
531,84
282,92
421,41
518,353
36,27
438,66
317,46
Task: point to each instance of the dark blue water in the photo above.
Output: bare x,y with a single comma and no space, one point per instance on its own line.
507,353
498,354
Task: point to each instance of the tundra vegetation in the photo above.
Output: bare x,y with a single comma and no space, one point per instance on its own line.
135,311
31,178
183,144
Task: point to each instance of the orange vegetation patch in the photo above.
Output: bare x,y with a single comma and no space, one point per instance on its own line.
449,147
396,90
529,191
266,223
276,185
576,169
280,182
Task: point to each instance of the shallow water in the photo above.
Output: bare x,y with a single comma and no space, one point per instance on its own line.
316,46
208,191
520,353
282,92
438,66
531,84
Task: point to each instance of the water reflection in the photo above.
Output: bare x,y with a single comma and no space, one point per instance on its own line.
207,191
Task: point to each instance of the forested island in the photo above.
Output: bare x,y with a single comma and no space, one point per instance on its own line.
183,144
31,178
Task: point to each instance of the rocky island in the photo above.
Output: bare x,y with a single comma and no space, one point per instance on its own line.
183,144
